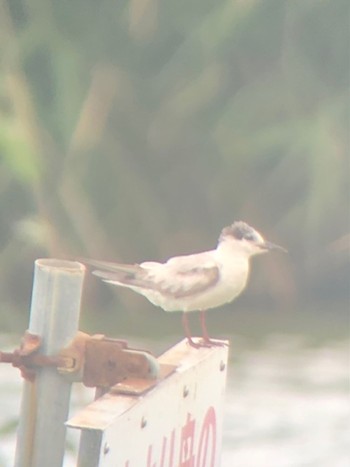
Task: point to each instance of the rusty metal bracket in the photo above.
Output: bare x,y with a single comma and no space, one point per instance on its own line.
97,361
109,361
27,357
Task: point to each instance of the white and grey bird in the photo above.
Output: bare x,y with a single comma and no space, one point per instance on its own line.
194,282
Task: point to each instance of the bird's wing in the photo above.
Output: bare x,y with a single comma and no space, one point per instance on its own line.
187,281
179,277
183,276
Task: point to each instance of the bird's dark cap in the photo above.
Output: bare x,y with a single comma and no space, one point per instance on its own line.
238,230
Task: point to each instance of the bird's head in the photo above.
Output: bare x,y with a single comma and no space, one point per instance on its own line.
245,240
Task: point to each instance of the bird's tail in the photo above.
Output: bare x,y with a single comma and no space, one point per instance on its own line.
122,274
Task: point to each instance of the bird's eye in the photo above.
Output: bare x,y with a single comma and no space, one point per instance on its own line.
250,237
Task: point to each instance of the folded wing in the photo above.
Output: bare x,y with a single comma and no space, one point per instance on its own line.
178,278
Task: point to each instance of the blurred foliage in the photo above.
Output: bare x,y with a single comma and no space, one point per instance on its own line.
137,129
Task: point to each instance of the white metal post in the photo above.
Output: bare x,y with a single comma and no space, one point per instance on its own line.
54,317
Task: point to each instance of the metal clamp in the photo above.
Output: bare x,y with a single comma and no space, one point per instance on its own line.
28,359
97,361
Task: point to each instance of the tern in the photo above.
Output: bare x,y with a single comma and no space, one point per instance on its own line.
195,282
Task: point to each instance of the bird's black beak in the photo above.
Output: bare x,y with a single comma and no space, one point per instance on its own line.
272,246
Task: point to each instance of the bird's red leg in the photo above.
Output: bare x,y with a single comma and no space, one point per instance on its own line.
188,332
207,342
205,334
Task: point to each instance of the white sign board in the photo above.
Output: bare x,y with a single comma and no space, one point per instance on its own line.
178,423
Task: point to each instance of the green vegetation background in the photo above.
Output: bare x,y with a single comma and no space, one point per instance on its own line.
134,130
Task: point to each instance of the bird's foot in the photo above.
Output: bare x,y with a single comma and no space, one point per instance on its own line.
195,345
213,343
206,342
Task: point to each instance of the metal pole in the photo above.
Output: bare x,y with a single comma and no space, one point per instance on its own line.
54,317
